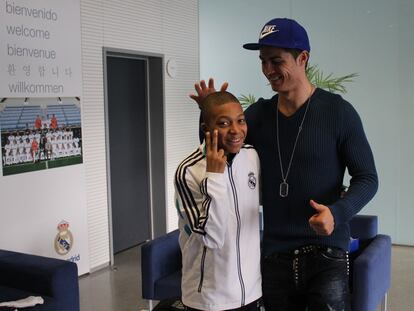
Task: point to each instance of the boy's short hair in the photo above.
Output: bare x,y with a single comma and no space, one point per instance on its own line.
216,99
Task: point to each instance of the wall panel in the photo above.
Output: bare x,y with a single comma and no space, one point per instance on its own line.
163,27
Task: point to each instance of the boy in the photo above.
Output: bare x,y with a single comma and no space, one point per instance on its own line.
217,198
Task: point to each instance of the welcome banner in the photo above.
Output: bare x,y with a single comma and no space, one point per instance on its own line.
42,178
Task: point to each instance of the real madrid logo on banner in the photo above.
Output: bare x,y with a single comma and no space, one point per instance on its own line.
64,239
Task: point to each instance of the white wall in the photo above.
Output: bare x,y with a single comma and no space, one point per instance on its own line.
373,38
405,211
168,27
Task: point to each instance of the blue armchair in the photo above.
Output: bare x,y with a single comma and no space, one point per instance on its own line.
370,266
161,267
55,280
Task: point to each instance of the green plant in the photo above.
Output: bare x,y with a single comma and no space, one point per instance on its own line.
329,82
246,100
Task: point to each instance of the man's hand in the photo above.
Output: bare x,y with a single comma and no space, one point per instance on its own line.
216,160
322,222
203,90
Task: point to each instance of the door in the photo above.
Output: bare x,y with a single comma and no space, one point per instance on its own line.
127,121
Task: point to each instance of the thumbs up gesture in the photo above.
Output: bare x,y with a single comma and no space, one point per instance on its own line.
322,222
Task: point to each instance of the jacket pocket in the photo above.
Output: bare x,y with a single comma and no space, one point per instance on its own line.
203,259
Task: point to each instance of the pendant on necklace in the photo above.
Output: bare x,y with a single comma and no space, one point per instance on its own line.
283,189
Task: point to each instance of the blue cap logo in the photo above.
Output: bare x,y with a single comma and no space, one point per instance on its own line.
267,30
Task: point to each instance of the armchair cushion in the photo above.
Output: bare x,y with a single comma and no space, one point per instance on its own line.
13,294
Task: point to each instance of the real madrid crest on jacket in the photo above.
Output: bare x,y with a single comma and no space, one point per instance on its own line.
219,231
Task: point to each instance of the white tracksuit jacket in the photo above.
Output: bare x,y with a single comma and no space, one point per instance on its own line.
219,231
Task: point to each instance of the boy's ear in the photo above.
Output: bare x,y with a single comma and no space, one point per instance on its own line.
204,127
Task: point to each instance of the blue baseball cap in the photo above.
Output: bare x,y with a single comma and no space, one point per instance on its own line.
282,33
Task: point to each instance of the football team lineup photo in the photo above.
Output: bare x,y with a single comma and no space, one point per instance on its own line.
39,133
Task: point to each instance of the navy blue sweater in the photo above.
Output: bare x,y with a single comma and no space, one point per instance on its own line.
332,139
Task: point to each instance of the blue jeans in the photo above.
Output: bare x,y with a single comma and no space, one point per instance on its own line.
312,277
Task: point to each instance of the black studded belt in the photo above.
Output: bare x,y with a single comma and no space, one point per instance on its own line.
310,249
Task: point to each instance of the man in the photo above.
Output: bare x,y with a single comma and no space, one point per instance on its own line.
53,122
305,137
34,150
38,123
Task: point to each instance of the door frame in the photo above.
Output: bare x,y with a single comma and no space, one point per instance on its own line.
156,228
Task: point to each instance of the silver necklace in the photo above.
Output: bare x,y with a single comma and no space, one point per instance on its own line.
284,186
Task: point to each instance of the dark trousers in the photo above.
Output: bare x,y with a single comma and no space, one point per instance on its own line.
311,277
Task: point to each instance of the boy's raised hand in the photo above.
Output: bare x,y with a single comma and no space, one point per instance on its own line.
203,90
216,159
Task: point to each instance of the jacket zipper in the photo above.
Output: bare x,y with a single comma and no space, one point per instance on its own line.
203,259
236,208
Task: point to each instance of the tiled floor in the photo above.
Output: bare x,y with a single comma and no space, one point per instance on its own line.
119,288
401,295
114,289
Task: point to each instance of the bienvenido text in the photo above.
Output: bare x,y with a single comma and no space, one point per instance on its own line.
43,13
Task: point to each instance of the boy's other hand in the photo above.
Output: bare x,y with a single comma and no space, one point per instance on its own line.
322,222
203,90
216,159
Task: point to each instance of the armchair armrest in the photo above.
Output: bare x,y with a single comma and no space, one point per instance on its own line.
159,258
372,274
44,276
